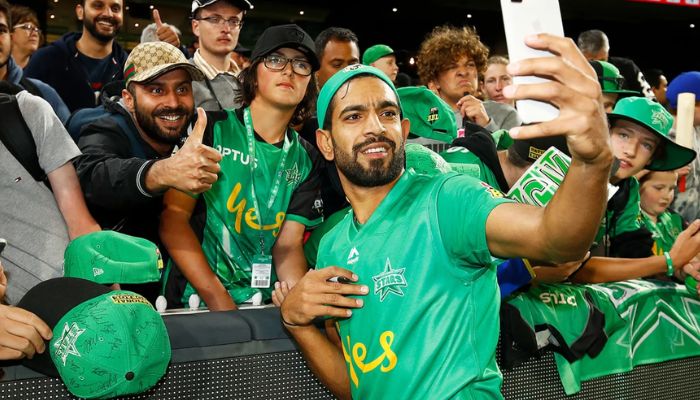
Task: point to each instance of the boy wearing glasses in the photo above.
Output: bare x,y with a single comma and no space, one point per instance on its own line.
238,238
217,24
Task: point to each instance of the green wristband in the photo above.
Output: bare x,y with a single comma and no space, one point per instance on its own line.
669,264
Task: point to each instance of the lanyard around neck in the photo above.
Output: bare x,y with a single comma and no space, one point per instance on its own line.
277,177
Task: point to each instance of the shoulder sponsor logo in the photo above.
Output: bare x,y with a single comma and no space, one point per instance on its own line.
389,281
494,193
97,271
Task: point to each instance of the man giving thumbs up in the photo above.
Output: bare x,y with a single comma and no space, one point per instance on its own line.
127,162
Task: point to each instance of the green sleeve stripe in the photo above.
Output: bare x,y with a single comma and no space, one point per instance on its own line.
304,221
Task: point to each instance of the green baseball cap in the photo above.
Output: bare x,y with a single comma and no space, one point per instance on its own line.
610,79
654,117
338,79
425,161
376,52
108,257
430,116
105,343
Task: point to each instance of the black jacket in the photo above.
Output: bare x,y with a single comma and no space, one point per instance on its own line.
113,178
57,65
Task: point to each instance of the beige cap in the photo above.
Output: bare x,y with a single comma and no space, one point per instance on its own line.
150,60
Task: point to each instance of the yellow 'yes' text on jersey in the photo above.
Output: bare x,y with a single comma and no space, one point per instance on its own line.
386,361
250,218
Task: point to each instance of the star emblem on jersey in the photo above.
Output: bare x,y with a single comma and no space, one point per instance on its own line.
293,175
389,281
65,346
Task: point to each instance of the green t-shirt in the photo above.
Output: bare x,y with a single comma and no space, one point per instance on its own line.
629,220
232,229
429,326
664,231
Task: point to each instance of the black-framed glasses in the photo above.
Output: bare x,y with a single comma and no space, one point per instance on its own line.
276,62
29,28
233,23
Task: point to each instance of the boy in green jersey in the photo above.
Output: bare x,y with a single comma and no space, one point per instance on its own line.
656,192
420,318
247,230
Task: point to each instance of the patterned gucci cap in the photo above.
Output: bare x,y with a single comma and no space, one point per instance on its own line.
150,60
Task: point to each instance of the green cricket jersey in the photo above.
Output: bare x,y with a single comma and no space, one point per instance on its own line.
664,231
231,231
429,326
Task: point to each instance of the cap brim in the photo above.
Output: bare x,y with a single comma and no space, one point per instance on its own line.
630,92
153,73
675,155
51,300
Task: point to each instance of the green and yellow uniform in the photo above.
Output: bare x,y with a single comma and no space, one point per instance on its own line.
664,231
227,220
429,325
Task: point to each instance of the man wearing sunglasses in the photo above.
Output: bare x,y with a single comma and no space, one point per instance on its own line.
217,24
225,242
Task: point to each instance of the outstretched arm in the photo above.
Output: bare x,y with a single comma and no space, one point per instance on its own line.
563,230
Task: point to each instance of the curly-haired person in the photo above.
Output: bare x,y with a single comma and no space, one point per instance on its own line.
450,61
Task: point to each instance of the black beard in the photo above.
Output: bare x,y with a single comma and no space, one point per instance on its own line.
376,174
91,26
151,129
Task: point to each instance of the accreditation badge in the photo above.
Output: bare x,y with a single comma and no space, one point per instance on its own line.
262,271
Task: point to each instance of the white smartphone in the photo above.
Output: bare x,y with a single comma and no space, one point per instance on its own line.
527,17
3,243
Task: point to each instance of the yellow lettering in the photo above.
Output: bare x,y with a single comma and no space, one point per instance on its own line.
359,354
251,219
236,208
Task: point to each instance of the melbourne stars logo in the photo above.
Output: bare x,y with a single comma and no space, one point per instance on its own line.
389,281
293,175
659,119
65,346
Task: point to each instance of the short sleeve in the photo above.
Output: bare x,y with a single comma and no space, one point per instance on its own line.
54,145
306,205
463,206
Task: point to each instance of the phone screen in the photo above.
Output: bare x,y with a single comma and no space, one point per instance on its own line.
520,19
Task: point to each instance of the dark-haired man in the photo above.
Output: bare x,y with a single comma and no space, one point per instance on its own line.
336,49
384,338
126,164
79,64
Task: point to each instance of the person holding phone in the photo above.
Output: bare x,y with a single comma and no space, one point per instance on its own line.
421,318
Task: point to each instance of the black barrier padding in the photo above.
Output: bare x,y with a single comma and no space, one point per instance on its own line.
265,324
272,369
206,329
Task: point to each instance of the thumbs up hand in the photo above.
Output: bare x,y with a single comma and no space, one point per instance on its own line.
195,166
166,33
